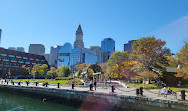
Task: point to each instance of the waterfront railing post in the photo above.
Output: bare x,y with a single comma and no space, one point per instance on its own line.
46,84
183,94
113,88
141,91
90,87
27,83
137,92
72,85
58,84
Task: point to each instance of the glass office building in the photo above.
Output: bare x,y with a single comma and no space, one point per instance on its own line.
108,47
83,55
64,54
14,60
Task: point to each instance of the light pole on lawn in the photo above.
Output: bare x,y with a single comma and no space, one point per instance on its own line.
34,75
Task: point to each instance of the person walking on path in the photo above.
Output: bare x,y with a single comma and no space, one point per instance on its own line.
95,84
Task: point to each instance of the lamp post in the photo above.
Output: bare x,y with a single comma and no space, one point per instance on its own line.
34,74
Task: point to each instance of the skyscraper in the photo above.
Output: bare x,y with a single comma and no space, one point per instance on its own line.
79,38
128,46
12,48
80,54
21,49
38,49
54,51
98,51
50,58
108,47
64,55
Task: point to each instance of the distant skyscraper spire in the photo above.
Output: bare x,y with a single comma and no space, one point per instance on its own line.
79,38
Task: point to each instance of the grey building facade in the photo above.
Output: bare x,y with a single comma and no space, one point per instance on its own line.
12,48
21,49
55,51
128,46
38,49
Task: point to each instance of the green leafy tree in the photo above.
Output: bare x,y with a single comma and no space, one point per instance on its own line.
52,72
35,70
148,51
118,58
103,67
80,67
63,71
172,62
24,71
90,73
43,70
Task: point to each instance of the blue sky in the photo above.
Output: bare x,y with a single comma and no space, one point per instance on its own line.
54,22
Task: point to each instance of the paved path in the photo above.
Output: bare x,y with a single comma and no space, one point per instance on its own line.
119,90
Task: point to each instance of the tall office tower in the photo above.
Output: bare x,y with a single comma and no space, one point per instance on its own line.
51,59
64,55
38,49
108,47
21,49
79,38
128,46
0,35
54,51
83,55
12,48
98,51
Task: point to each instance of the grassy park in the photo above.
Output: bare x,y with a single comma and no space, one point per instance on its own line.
50,81
152,86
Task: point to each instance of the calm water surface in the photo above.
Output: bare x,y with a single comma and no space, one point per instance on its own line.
9,102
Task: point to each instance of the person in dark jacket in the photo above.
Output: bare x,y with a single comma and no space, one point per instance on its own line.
95,84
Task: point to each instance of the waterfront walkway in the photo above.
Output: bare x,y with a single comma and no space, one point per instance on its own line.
118,90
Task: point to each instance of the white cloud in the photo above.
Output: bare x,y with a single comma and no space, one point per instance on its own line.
174,33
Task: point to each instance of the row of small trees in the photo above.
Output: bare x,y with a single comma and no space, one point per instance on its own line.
42,72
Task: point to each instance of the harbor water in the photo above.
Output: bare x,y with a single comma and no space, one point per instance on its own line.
10,102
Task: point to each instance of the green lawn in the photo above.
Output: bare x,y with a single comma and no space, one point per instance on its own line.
152,86
50,81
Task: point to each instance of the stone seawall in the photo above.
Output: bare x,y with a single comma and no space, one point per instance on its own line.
86,100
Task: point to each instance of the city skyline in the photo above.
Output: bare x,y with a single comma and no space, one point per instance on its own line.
54,23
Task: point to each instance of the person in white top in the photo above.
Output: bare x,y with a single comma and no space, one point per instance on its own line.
164,91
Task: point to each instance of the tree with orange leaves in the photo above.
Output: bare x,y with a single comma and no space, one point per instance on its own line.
183,59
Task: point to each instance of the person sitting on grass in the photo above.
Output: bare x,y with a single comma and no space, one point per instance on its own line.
169,91
164,92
